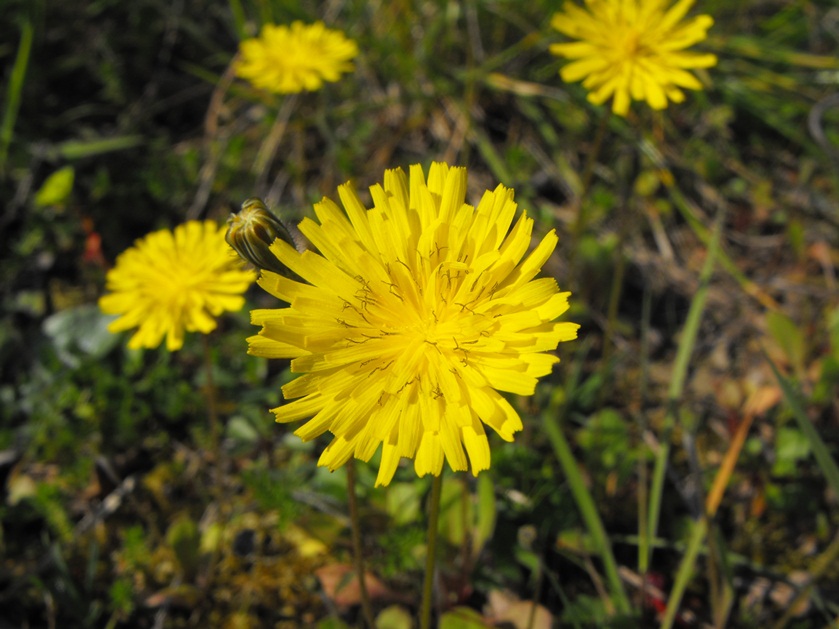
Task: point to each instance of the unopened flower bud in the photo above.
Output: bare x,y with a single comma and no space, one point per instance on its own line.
251,232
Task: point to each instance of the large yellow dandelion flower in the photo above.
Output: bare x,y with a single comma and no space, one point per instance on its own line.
632,50
417,314
172,282
287,60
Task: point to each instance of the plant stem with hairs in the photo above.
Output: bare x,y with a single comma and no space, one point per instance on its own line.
358,553
431,556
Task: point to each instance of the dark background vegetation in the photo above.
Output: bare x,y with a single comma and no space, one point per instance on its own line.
115,511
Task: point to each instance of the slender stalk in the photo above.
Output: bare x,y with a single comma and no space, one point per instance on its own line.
431,556
210,392
677,384
614,299
358,553
644,541
269,147
585,183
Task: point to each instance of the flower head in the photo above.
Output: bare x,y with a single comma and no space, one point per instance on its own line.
632,50
171,282
416,315
287,60
251,231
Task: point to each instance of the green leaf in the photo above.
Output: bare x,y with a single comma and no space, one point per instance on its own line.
820,449
455,512
789,338
487,513
394,617
57,188
242,431
185,541
790,447
403,503
80,332
462,618
77,149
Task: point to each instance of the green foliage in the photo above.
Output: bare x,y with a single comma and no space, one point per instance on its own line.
272,490
462,618
56,189
606,439
184,539
791,446
121,594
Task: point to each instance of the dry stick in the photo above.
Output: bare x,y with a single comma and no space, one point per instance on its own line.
269,147
431,550
208,170
358,556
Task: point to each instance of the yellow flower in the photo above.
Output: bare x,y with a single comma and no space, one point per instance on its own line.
289,60
632,50
171,282
417,313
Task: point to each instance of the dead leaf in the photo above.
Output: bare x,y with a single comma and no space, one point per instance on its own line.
505,607
340,584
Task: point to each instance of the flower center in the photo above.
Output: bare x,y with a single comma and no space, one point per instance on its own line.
632,46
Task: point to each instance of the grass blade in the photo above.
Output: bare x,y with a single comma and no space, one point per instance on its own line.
588,510
14,91
817,444
677,384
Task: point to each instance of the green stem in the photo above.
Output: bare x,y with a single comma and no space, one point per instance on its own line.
614,301
210,391
585,183
431,556
685,572
677,383
358,554
644,540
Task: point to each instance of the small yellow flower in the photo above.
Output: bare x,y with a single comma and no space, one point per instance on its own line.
172,282
632,50
416,315
287,60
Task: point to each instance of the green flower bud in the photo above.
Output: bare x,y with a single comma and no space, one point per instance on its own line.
251,232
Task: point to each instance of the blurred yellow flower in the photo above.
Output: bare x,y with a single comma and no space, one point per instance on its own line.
288,60
418,312
172,282
632,50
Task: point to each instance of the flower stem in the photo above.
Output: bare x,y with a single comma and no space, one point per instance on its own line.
617,281
431,556
210,391
585,184
268,149
358,556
